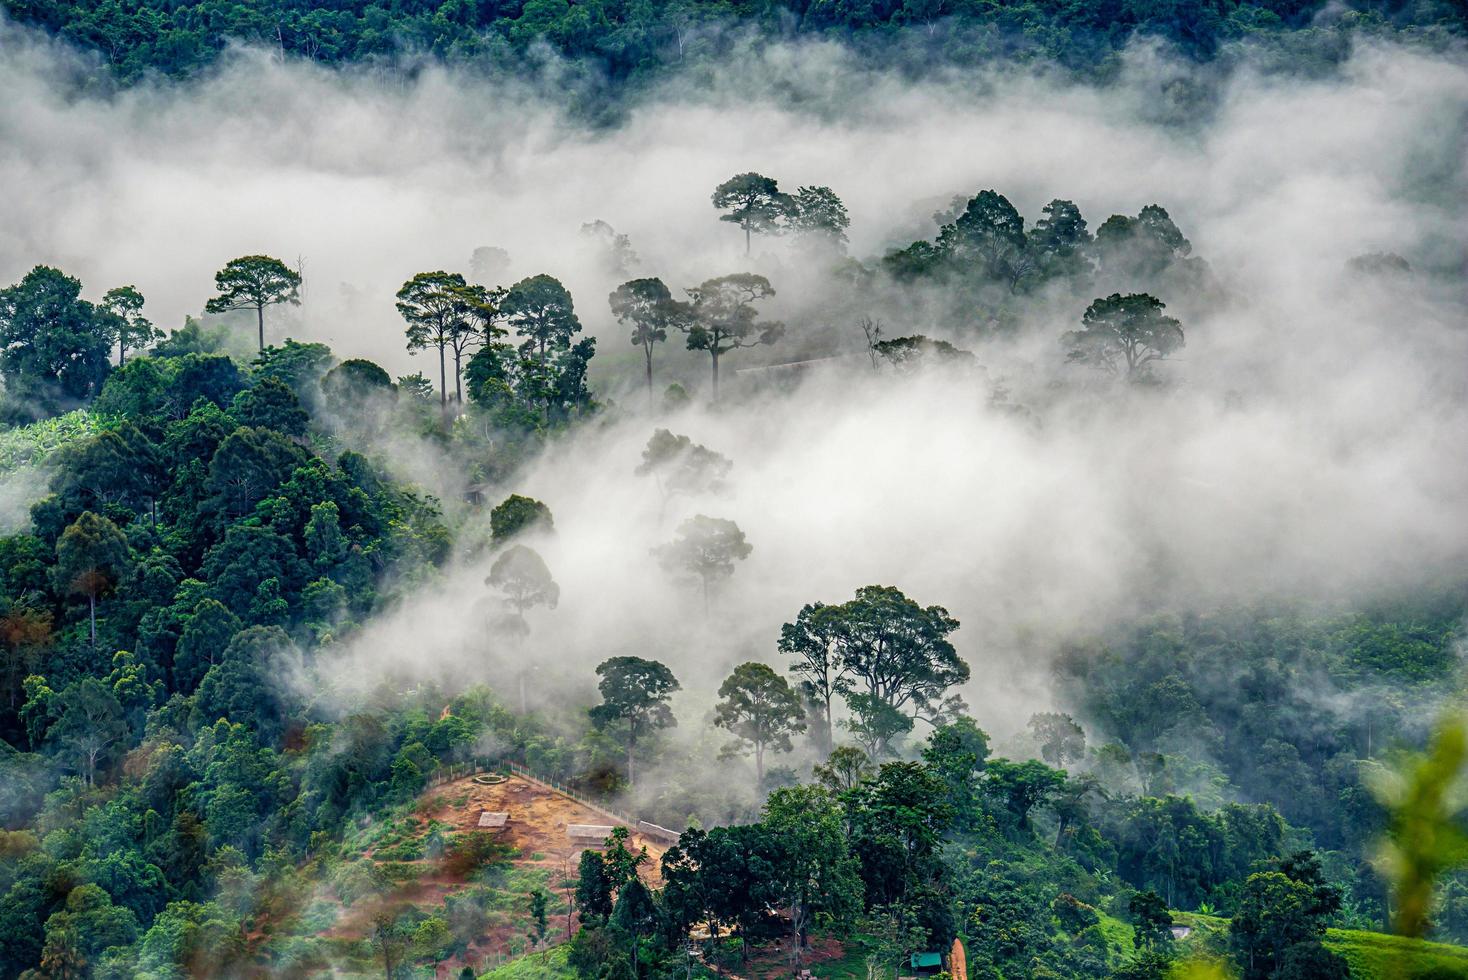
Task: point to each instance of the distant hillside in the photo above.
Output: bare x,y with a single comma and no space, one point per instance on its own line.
629,40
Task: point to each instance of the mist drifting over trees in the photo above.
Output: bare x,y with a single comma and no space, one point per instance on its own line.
919,486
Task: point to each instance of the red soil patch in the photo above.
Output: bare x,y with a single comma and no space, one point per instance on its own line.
538,817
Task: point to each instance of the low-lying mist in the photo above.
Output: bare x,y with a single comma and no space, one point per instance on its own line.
1308,440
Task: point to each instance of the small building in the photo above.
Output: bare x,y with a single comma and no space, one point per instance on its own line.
493,819
926,964
588,832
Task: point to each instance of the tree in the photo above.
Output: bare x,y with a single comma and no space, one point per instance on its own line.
253,282
91,556
724,318
270,404
898,818
25,630
908,355
761,710
989,236
392,937
1061,739
89,723
1020,787
650,310
679,465
516,514
753,202
593,888
521,574
205,635
247,466
725,877
814,639
706,548
1143,246
817,214
618,258
1129,331
844,769
54,346
542,312
1274,913
538,917
353,381
958,752
1151,921
1059,241
815,874
634,692
439,308
900,651
875,723
132,330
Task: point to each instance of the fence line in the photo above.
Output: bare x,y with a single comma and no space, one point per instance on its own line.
452,773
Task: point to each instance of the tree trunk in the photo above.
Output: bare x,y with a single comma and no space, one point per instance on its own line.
631,748
826,724
92,602
746,239
715,356
443,382
647,350
458,374
260,322
759,765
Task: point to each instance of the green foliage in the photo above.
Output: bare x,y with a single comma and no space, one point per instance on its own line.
516,514
253,282
761,710
1123,334
54,346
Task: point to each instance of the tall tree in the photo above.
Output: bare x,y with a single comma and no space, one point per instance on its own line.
1061,739
761,710
521,574
132,330
543,314
724,317
635,693
817,214
438,309
1124,332
54,346
899,651
1059,240
650,310
681,466
814,639
91,556
989,237
816,876
753,202
89,723
253,282
706,548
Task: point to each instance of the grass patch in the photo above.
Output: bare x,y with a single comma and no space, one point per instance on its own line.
550,964
1378,956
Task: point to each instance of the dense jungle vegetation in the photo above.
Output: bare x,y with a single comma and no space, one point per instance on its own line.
219,745
626,40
